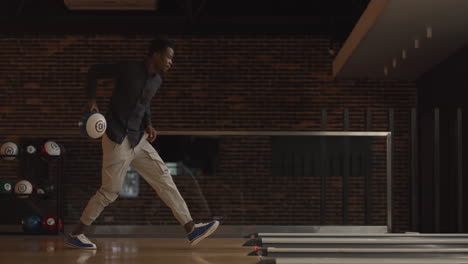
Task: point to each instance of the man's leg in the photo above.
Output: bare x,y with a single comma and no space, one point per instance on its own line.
116,159
151,167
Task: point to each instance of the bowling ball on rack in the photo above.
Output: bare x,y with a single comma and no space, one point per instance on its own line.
45,190
9,150
30,149
52,224
23,189
50,150
6,187
32,224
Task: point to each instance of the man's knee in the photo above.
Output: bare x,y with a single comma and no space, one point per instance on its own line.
107,196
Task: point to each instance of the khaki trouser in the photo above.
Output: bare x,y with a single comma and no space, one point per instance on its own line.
147,162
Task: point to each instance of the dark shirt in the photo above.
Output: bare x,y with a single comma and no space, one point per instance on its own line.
129,111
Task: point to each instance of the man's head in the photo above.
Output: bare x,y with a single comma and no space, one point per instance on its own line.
160,54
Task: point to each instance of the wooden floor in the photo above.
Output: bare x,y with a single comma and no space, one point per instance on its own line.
52,250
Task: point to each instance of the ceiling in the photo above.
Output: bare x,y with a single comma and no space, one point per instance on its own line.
332,17
387,27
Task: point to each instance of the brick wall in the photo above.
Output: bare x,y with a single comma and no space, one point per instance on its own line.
218,82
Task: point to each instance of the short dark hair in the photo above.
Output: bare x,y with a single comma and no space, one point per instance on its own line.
159,44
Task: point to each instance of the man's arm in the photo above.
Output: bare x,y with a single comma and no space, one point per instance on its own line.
99,71
148,125
147,117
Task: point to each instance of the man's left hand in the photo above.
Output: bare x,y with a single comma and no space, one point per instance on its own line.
151,133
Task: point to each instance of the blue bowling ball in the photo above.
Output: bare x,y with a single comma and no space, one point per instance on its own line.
32,224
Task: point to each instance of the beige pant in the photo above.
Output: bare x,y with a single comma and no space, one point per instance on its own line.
147,162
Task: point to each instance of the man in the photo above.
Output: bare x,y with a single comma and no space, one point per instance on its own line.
127,141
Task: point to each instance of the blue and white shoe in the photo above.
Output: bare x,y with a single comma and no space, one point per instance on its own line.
201,231
79,241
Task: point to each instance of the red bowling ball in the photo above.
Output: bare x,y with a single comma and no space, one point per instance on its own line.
52,224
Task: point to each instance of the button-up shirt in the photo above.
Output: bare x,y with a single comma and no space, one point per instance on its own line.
129,111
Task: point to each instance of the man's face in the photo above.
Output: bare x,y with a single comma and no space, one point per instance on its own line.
163,59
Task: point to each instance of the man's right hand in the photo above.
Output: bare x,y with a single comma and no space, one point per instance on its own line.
92,106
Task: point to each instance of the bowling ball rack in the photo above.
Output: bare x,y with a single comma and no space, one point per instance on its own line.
28,215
